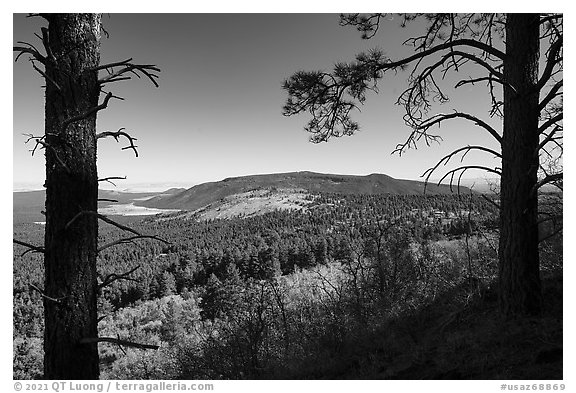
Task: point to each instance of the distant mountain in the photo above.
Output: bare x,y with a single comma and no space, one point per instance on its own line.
239,196
206,194
174,190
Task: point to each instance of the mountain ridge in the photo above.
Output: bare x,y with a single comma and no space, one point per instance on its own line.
204,194
243,195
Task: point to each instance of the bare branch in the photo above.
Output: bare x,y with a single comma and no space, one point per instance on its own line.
550,235
107,200
552,178
108,179
551,95
496,103
477,60
117,341
111,65
31,248
551,62
128,240
34,138
465,168
485,78
550,122
56,156
127,67
492,202
113,96
466,116
548,138
448,157
46,42
103,218
48,79
31,50
117,79
118,225
109,279
550,18
40,142
116,135
449,45
420,129
88,113
111,222
41,292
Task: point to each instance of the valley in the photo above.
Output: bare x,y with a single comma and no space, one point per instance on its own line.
286,276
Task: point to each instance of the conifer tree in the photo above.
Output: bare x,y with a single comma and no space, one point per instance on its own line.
506,51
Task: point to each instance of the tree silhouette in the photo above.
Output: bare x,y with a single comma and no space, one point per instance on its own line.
506,52
70,66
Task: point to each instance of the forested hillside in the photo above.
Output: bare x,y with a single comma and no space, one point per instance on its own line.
271,295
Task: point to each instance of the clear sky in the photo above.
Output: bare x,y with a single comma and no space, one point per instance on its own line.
217,112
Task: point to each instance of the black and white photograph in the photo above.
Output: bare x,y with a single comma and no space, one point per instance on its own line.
287,196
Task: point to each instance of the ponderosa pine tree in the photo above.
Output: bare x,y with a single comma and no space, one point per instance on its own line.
519,58
70,66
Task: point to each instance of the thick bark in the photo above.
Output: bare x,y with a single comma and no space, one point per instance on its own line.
71,187
519,278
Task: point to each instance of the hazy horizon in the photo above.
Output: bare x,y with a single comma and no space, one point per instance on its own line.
479,183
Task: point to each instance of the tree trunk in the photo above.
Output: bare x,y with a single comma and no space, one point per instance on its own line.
72,90
519,272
